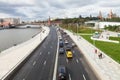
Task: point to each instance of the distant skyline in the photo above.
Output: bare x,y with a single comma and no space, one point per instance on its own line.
42,9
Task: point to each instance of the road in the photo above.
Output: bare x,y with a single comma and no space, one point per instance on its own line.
78,68
40,66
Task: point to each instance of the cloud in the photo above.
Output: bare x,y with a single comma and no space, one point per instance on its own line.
42,9
108,3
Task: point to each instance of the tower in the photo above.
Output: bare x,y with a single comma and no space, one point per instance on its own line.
110,15
100,16
49,22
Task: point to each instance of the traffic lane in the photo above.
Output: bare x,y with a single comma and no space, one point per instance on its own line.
74,70
49,64
89,73
86,69
62,61
25,70
43,72
78,69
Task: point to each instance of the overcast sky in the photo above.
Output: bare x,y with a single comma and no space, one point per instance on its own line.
42,9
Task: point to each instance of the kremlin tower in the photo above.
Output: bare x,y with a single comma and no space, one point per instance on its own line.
100,16
111,15
49,21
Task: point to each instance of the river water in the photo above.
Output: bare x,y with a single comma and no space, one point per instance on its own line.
10,37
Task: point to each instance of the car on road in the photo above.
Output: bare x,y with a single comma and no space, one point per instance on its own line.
62,73
73,45
68,47
69,54
60,39
61,44
61,51
66,41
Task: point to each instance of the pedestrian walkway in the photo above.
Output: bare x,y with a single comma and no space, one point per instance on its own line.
106,68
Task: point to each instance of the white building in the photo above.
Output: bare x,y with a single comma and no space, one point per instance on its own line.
101,25
12,20
7,21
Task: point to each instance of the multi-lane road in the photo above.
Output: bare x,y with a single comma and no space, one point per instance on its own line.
41,65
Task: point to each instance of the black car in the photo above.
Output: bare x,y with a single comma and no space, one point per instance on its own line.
68,47
62,73
61,51
61,44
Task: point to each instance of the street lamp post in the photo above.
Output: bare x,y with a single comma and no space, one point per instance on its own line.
94,49
77,30
40,33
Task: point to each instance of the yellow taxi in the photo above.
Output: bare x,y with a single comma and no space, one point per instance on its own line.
69,54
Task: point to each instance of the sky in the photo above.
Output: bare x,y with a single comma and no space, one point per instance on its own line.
42,9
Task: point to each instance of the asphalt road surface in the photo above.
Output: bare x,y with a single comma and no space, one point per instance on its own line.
41,65
78,68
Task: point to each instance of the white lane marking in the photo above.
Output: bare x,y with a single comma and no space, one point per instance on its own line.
56,62
48,52
51,47
77,61
44,63
84,77
40,53
67,60
69,77
34,63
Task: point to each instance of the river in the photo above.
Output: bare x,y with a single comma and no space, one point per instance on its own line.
11,37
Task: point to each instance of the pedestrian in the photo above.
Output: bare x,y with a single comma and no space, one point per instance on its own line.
96,51
100,55
102,36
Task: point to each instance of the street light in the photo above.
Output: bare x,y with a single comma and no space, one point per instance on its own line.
77,30
95,50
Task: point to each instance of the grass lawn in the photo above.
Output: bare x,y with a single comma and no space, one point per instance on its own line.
115,38
111,49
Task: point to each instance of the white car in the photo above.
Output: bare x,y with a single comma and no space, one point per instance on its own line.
66,42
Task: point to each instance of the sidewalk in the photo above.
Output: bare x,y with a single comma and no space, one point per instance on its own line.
106,68
12,57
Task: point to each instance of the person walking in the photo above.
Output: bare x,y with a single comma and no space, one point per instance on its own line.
96,51
100,55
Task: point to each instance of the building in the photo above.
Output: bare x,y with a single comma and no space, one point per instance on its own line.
9,21
49,21
100,15
101,25
111,15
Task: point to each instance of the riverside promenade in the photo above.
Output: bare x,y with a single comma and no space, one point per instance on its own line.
12,57
105,68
